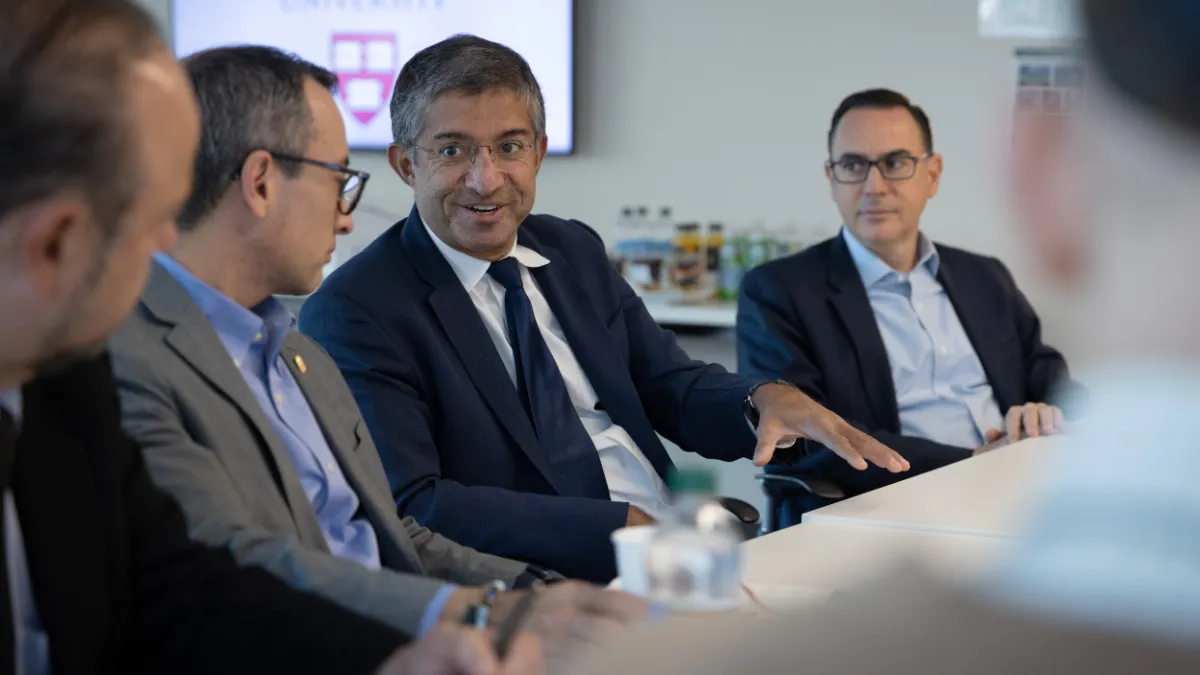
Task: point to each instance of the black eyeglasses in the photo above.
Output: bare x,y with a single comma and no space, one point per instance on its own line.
856,168
352,184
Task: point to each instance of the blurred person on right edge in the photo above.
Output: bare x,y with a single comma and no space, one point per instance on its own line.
1105,577
931,349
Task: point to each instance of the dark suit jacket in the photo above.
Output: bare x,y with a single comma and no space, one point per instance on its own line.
806,318
118,585
460,452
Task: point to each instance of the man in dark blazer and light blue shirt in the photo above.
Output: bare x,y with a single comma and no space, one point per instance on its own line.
931,349
514,382
246,421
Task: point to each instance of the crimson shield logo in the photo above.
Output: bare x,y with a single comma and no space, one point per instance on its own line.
366,65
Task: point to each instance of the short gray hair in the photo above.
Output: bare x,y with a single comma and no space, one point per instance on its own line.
251,98
463,63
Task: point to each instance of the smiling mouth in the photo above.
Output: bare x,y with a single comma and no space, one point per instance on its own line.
483,210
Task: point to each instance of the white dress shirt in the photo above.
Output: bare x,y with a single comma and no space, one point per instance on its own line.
630,476
31,646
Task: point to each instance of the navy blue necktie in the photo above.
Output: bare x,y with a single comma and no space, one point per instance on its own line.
544,393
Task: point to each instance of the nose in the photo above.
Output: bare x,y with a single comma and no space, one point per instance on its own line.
344,224
876,183
484,176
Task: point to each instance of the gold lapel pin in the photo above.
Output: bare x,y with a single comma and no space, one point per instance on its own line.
300,365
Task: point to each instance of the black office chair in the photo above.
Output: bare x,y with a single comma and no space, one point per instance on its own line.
747,516
785,489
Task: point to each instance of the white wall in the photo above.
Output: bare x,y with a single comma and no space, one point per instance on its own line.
719,108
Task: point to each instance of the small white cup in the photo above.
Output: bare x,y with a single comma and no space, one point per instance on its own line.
632,544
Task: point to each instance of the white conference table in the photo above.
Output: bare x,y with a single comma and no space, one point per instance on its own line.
953,523
830,557
983,496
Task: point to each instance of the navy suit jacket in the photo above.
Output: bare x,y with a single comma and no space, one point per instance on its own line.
806,318
460,452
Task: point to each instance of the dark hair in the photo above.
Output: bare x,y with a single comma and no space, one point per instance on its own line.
63,119
881,98
251,98
1149,50
460,63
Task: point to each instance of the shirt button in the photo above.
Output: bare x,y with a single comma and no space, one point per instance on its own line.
279,398
919,306
329,466
942,350
258,337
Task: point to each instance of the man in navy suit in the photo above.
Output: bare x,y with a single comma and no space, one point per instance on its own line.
931,349
513,382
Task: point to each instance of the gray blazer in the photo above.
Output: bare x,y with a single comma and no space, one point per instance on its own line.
207,441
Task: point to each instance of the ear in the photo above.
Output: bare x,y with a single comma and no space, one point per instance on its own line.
255,183
402,164
58,244
934,166
543,146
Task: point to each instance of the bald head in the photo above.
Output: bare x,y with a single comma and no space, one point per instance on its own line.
61,65
98,131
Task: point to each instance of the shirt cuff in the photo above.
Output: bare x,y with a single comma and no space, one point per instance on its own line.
433,611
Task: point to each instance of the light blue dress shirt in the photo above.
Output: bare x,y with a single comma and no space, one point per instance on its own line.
253,339
30,641
942,392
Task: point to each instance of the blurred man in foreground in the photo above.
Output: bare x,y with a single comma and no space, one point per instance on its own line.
246,421
98,131
1107,577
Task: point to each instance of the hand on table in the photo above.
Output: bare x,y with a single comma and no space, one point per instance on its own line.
786,413
1025,421
566,617
458,650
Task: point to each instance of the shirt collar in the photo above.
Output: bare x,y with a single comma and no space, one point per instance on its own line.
873,270
239,328
470,270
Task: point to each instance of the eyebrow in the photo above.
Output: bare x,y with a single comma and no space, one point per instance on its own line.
889,153
460,136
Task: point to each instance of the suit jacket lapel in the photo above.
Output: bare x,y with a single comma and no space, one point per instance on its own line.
343,439
983,326
191,336
849,299
606,370
464,328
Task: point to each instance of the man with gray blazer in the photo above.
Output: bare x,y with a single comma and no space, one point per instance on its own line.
247,422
